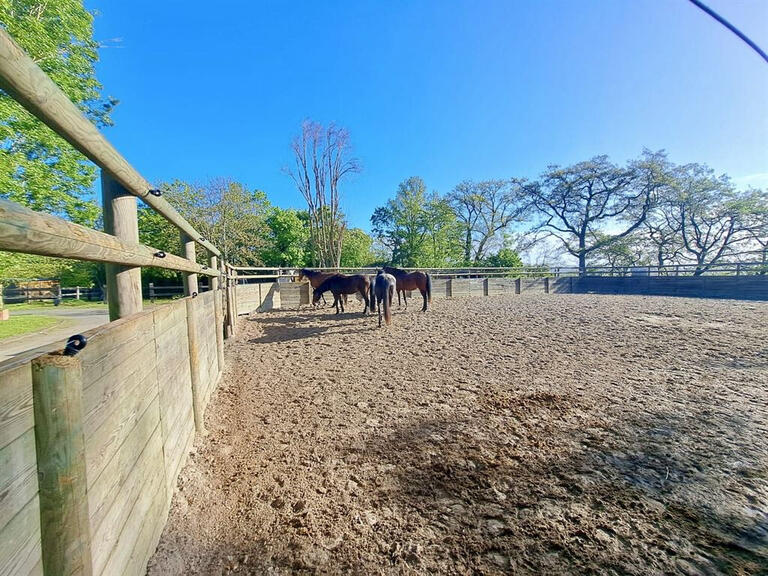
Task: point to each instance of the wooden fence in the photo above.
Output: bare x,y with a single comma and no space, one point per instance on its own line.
263,297
93,432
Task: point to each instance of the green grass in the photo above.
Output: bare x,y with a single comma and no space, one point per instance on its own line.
49,304
18,325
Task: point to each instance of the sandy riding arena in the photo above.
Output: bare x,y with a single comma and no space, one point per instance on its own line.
542,434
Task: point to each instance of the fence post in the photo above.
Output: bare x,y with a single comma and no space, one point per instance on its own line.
77,292
485,287
738,269
121,220
229,324
546,284
194,364
234,298
188,251
152,292
57,403
518,285
216,288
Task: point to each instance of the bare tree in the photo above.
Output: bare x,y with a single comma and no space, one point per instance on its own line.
578,204
485,209
322,161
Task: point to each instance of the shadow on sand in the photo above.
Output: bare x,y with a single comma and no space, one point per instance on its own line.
654,493
283,326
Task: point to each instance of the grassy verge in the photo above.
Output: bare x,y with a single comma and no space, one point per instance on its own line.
48,304
18,325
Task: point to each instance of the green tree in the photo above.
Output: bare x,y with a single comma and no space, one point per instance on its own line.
40,169
506,257
287,242
485,210
420,229
578,204
627,251
714,218
356,251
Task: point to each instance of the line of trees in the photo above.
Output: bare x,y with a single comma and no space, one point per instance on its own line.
647,211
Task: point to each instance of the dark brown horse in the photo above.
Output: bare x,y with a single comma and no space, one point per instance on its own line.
340,285
412,281
316,278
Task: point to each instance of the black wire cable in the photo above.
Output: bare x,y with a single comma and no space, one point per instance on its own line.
730,27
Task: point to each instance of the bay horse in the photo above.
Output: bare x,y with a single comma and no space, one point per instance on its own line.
340,285
383,291
412,281
315,278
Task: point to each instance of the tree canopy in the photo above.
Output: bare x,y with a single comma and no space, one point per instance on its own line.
41,170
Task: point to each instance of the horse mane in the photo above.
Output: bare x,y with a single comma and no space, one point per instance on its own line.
394,271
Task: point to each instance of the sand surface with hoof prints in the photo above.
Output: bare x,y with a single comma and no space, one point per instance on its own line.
541,434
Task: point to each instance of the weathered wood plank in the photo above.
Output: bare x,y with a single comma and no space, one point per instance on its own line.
106,488
459,287
103,397
175,446
107,440
129,554
108,527
113,344
30,232
18,476
169,316
20,550
16,416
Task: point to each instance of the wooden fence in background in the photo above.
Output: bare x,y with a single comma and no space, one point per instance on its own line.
93,432
262,297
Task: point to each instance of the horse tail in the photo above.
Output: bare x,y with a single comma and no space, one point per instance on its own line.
429,288
387,307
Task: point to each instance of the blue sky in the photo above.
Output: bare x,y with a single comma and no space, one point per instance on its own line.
443,90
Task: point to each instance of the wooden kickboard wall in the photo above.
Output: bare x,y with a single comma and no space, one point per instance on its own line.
138,426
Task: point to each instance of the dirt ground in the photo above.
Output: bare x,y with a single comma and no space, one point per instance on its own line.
541,434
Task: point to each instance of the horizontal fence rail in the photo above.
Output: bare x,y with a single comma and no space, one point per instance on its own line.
30,232
245,273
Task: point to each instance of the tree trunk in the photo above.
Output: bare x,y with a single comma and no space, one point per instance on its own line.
468,246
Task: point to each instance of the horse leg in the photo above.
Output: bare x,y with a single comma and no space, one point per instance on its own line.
341,301
368,304
405,300
378,307
424,295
